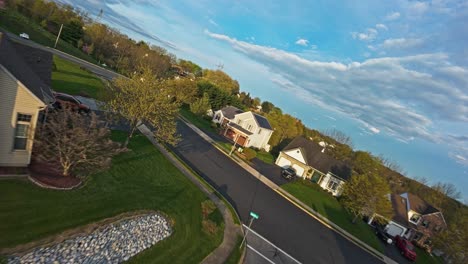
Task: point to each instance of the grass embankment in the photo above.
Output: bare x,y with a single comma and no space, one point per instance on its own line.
139,179
198,121
16,23
326,205
236,254
69,78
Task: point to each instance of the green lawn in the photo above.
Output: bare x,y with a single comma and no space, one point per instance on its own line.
325,204
67,77
139,179
198,121
423,257
265,157
17,23
236,254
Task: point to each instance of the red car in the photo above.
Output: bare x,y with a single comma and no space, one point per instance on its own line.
69,102
406,248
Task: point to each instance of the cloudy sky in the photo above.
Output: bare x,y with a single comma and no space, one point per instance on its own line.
391,74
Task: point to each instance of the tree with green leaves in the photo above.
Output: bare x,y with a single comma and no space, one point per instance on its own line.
222,80
191,67
367,194
454,240
201,105
145,98
267,107
364,162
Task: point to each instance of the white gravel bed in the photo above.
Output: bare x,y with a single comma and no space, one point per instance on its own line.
114,243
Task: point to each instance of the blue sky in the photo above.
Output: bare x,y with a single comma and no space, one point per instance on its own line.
391,74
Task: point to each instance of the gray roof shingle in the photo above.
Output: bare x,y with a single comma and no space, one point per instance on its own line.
32,67
262,121
318,160
230,111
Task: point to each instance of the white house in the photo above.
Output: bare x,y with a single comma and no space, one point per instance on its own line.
310,162
225,115
246,129
25,77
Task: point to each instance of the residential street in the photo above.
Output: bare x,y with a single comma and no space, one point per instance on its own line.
280,222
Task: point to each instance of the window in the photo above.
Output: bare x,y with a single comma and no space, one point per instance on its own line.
415,218
425,223
249,128
239,122
437,228
22,131
417,236
332,185
259,131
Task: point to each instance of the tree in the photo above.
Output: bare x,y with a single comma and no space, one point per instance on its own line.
183,90
201,105
364,162
190,67
366,194
454,240
339,136
76,143
222,80
267,107
145,98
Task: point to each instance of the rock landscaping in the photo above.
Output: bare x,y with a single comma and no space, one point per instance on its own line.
114,243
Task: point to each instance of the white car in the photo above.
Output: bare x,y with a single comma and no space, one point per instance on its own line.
24,35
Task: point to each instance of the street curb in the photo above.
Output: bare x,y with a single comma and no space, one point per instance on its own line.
293,200
222,252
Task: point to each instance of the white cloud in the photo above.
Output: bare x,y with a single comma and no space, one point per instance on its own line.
211,21
418,8
302,42
371,47
405,97
381,26
393,16
369,35
463,160
401,43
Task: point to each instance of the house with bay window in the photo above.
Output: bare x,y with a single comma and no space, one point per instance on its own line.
25,79
310,161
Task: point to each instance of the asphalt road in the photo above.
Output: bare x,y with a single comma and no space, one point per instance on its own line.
280,222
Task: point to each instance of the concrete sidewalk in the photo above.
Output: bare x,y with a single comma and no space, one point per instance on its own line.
325,221
231,230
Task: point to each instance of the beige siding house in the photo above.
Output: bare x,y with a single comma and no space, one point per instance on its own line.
309,161
24,93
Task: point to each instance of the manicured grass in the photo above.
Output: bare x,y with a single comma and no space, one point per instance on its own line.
325,204
139,179
67,77
236,253
265,157
423,257
17,23
198,121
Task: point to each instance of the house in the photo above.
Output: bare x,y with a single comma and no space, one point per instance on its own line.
225,115
414,219
25,79
310,162
246,129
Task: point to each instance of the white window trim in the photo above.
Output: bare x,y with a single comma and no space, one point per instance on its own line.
28,132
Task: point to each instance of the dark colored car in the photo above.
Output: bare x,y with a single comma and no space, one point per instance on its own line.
69,102
380,232
406,248
288,173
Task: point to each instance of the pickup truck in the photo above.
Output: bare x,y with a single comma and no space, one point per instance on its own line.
406,248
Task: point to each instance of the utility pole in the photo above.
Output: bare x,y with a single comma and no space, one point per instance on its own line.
58,36
234,146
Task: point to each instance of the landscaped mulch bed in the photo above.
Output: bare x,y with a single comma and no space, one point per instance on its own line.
50,176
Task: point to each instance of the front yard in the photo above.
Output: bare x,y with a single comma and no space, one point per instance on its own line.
69,78
139,179
326,205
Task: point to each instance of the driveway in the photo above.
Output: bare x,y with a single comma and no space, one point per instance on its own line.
280,222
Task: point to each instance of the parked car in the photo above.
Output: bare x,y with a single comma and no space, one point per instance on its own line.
24,35
67,101
382,234
288,173
406,248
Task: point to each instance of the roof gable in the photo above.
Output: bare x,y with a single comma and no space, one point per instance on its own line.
419,205
28,72
312,153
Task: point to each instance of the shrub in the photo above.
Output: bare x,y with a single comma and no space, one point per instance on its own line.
249,153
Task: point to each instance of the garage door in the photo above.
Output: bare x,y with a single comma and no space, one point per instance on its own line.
394,230
282,162
299,170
